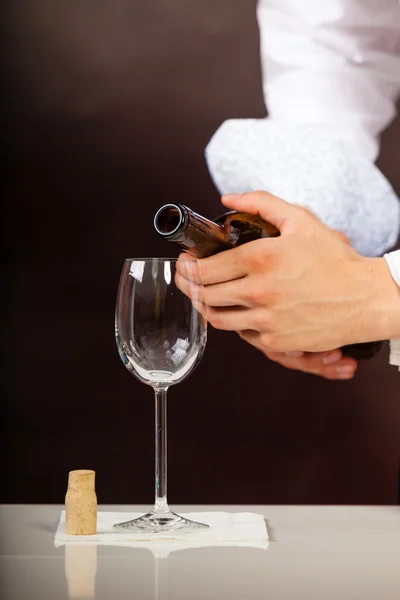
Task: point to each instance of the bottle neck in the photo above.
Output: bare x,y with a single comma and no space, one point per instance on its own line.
194,233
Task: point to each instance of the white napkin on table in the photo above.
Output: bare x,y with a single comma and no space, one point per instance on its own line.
226,529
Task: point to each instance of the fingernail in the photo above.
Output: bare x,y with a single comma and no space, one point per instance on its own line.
345,370
295,354
331,358
227,196
345,375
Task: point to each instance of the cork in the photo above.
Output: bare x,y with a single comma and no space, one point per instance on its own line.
81,503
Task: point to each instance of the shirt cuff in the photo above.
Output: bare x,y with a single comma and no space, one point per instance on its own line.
393,262
394,357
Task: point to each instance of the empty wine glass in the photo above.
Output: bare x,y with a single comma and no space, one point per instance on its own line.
161,338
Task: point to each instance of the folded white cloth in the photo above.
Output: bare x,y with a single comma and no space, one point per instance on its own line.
226,529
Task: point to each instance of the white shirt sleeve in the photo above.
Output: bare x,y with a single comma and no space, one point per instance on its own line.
331,76
393,262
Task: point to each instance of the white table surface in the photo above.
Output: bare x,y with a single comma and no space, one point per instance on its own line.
316,552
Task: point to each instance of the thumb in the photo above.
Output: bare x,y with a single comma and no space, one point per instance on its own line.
270,208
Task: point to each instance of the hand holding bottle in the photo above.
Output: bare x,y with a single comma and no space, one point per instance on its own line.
306,290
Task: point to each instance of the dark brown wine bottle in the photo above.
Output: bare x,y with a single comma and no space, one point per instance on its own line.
201,237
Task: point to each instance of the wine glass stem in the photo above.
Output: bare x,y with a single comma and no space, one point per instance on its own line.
161,505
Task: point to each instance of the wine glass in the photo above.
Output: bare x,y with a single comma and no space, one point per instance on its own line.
161,337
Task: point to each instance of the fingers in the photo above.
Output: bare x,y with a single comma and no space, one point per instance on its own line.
237,318
226,266
233,264
231,293
313,360
330,365
268,207
230,317
191,289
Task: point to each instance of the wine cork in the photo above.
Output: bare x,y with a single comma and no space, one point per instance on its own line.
81,503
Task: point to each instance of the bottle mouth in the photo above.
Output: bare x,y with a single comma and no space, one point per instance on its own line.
168,219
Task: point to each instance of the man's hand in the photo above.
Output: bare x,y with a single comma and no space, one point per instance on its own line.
303,291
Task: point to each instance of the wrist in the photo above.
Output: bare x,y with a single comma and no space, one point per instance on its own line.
380,315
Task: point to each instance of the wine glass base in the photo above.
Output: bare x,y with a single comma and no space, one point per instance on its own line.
154,522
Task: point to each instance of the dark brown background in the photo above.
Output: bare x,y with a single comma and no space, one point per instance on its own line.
112,104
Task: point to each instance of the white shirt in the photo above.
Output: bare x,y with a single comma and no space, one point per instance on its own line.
331,77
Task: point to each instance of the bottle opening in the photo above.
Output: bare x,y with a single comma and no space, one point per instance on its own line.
168,219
